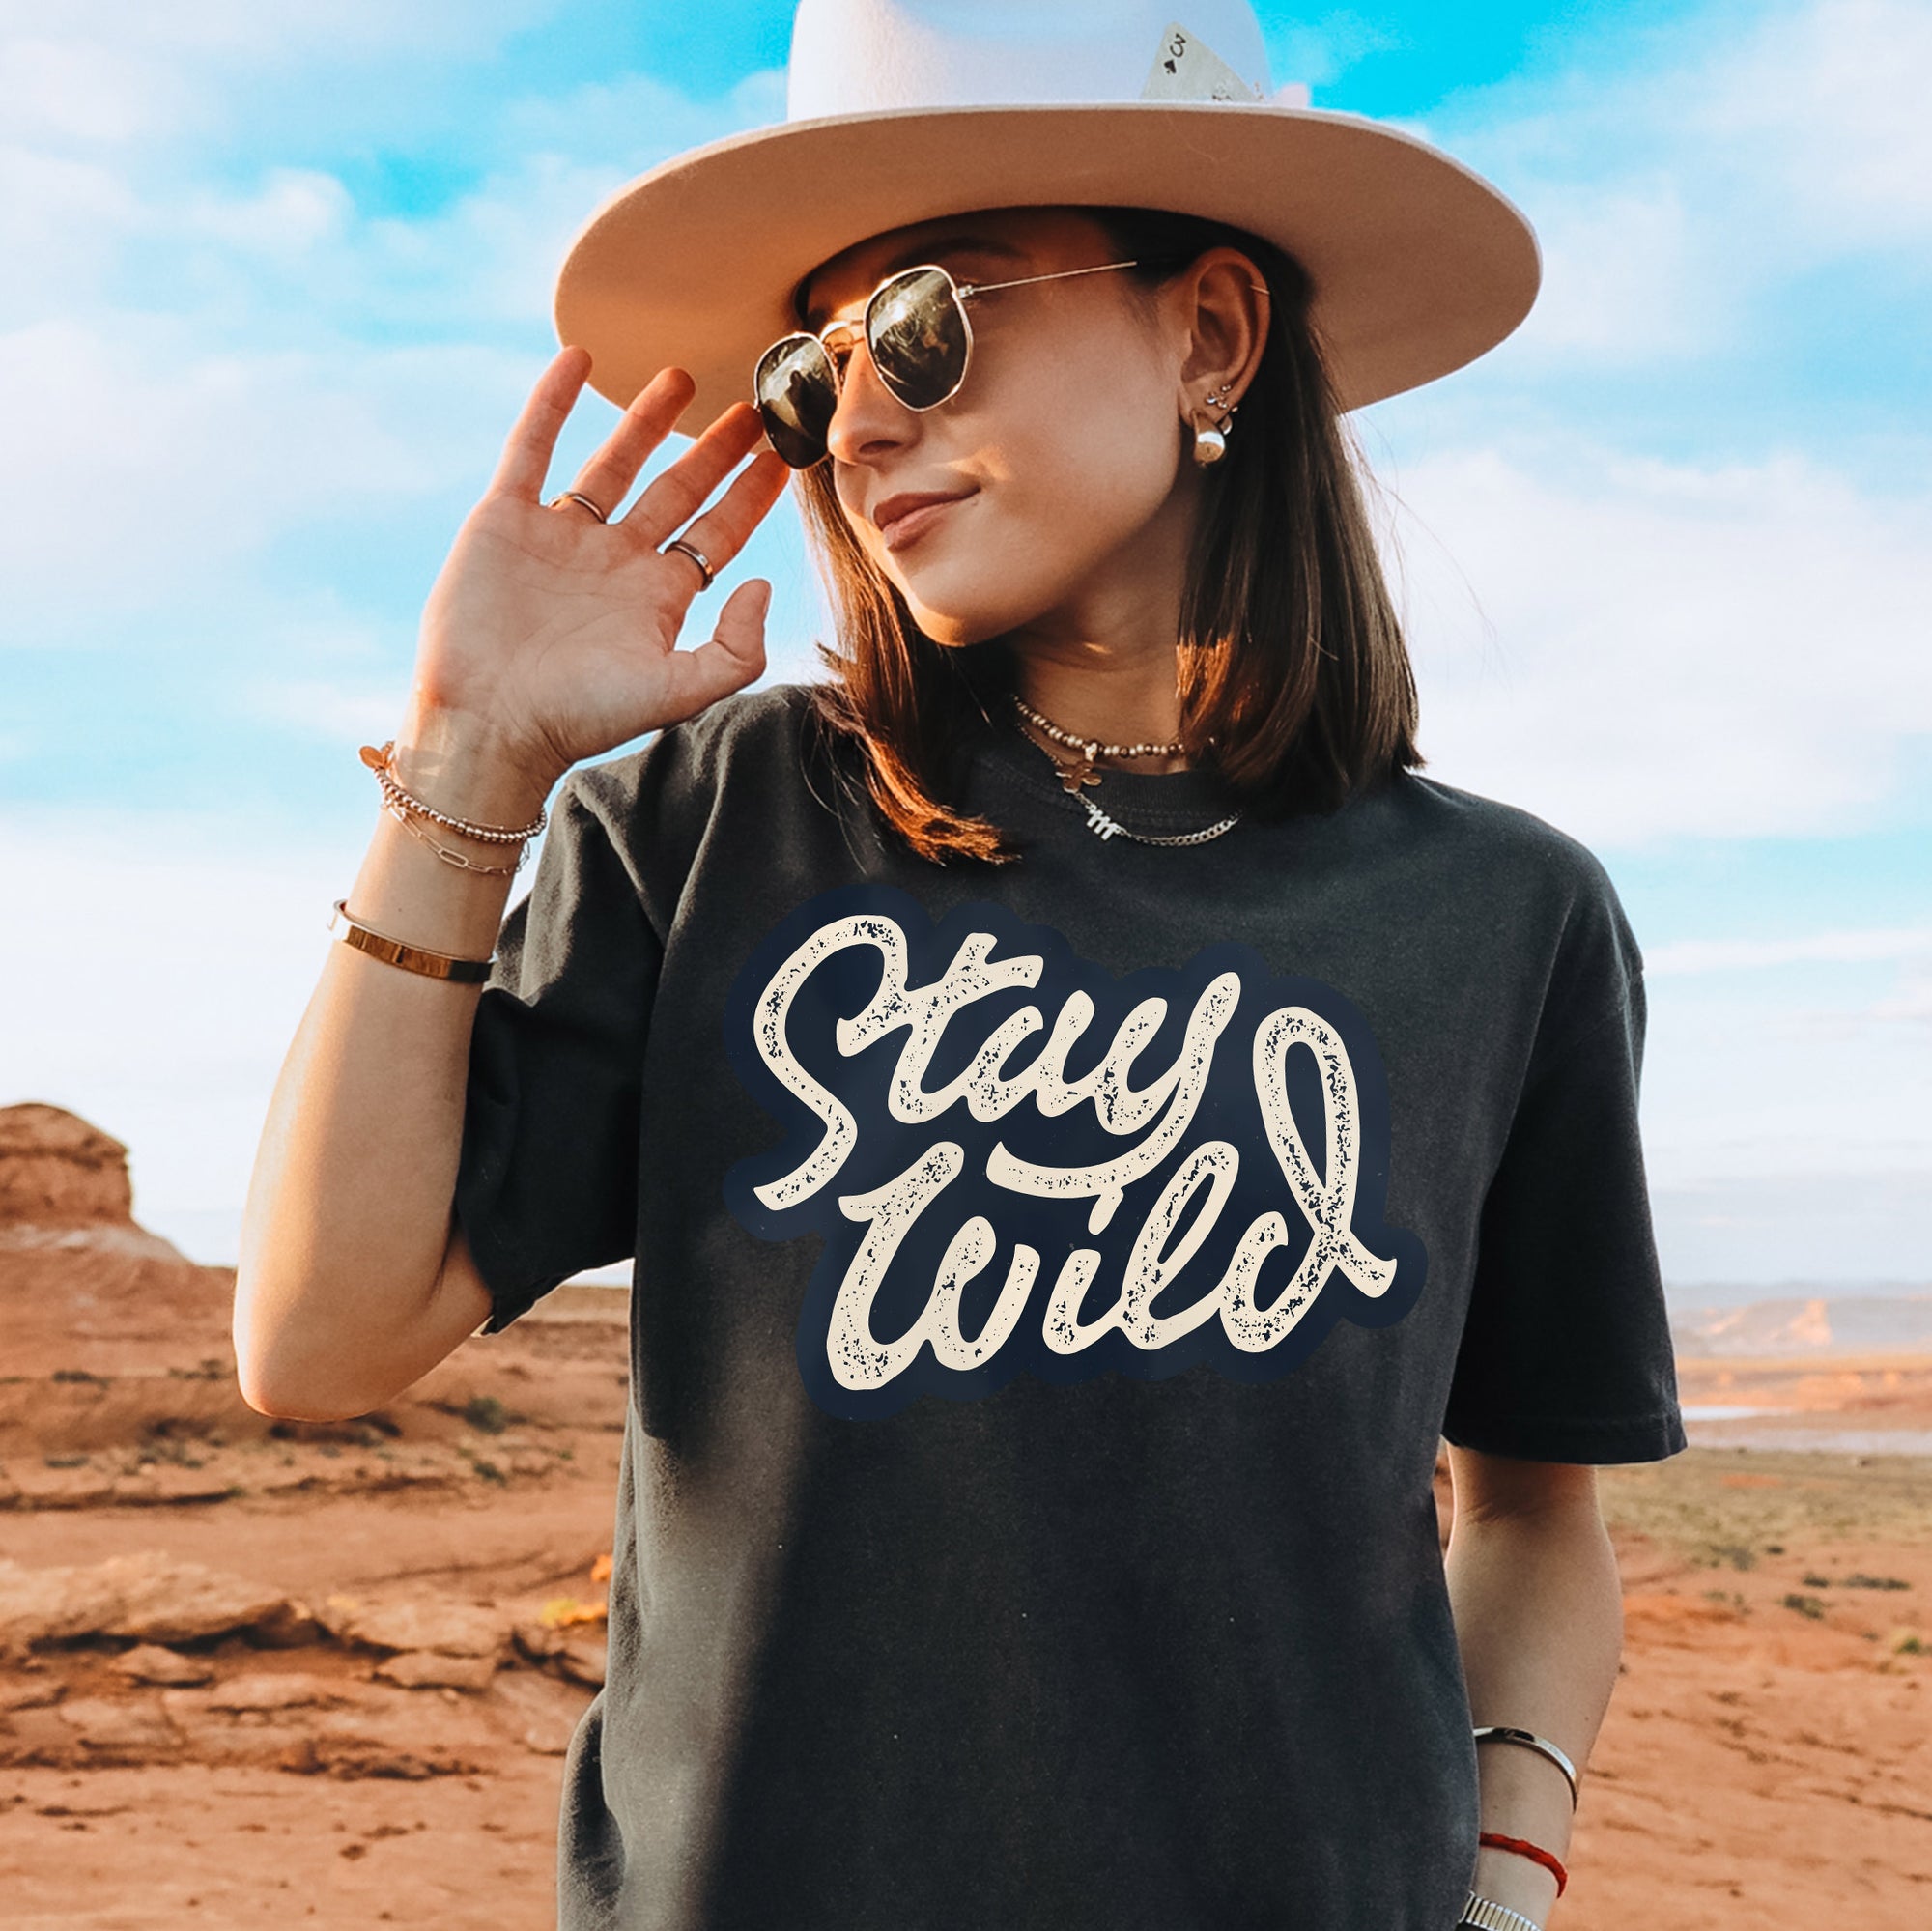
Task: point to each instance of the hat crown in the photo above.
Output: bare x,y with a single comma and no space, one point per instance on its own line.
872,56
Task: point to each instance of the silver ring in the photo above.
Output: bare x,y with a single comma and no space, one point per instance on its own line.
578,498
696,555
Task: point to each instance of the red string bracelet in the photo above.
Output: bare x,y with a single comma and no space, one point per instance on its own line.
1526,1850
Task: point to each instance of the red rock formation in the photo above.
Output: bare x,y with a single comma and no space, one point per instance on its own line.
83,1286
58,1171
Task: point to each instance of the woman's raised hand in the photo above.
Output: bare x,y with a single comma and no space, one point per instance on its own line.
552,635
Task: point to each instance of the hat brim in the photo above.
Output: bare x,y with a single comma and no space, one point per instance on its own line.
1419,266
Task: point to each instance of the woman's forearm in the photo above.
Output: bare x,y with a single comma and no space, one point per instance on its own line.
1538,1619
340,1299
550,637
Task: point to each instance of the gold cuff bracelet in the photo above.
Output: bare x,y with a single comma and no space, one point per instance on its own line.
411,959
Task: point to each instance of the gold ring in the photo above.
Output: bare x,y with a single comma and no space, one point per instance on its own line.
696,555
578,498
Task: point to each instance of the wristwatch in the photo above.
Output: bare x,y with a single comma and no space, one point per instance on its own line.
1487,1915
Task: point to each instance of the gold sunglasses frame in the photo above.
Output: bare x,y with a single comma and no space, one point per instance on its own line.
962,294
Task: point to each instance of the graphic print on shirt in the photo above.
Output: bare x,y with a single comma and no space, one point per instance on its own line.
1017,1161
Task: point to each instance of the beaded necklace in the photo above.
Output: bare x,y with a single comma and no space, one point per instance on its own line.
1075,777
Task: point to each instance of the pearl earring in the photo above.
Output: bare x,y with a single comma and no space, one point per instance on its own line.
1210,443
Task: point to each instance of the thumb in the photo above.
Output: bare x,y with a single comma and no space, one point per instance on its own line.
732,658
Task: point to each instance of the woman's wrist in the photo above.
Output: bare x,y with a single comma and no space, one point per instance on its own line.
426,881
1519,1881
405,892
466,767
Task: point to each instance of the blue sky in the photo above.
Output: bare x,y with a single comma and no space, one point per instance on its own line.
280,273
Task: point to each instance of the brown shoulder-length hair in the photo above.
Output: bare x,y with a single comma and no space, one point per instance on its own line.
1294,678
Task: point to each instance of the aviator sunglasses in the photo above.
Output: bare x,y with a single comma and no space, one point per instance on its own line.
916,330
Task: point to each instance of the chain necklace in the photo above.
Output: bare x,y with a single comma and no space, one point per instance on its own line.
1074,777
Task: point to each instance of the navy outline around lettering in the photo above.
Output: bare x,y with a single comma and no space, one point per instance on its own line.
841,987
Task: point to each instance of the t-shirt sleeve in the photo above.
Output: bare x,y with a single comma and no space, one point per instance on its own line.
1566,1352
547,1178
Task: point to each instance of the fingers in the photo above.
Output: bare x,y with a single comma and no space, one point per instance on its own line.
680,493
732,658
607,477
526,457
725,528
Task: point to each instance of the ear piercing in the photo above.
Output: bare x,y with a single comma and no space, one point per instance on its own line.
1210,443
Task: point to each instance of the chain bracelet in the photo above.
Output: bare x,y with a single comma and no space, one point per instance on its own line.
462,861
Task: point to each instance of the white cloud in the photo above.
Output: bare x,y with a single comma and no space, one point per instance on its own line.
179,1059
294,212
635,120
1753,1233
1826,104
143,466
1625,278
63,225
1769,1094
127,75
1842,948
90,93
284,31
1911,1005
1637,649
327,708
289,257
187,379
1813,1064
1785,1128
1315,53
489,259
1679,194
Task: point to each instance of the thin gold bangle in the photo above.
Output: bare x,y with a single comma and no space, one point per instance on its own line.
411,959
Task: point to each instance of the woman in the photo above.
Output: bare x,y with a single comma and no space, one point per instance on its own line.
1088,1116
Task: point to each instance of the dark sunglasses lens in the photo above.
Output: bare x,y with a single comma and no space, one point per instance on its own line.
797,393
917,333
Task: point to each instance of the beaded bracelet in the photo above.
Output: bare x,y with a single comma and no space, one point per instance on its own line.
381,762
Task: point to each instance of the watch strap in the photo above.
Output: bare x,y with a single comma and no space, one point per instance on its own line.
1487,1915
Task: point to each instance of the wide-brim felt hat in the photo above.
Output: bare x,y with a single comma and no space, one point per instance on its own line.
902,111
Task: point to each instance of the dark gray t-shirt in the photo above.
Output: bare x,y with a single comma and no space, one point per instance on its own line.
1052,1282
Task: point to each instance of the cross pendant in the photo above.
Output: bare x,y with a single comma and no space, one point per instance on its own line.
1074,775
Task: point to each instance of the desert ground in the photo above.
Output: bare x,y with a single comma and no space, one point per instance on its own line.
255,1671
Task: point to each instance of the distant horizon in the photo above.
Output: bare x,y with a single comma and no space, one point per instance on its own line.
211,1237
1753,1293
1683,1296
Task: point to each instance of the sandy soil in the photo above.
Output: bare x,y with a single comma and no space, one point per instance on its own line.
329,1796
1767,1763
